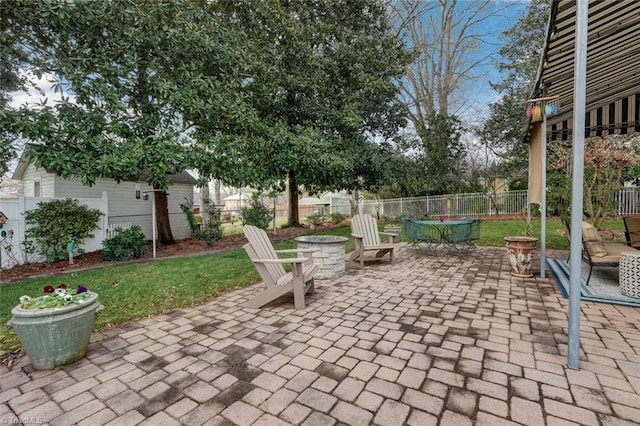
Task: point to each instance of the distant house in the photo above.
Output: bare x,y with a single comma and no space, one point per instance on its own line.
124,206
237,201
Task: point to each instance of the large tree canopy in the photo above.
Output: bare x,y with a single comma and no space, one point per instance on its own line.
115,64
250,92
12,60
322,90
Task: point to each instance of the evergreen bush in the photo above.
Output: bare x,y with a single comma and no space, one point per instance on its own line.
187,209
257,214
127,243
337,218
209,230
212,226
315,219
54,223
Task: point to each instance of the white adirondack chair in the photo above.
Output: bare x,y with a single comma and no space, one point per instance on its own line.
364,229
278,282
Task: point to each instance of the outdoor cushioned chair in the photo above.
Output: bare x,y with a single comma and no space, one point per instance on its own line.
599,252
278,282
632,231
364,229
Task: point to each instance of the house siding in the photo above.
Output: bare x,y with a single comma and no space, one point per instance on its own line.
33,174
124,207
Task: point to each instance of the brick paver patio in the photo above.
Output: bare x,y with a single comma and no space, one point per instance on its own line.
423,342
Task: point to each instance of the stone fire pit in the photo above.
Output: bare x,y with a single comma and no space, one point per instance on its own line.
329,254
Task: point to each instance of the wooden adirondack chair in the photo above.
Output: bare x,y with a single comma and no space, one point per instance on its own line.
278,282
364,228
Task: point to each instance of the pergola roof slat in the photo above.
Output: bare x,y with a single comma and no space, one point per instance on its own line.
613,55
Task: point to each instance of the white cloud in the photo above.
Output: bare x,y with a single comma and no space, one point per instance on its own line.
43,89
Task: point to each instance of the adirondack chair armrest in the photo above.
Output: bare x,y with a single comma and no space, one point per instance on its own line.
391,237
359,240
291,260
296,251
307,253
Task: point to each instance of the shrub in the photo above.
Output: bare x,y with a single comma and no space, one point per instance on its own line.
56,222
187,209
209,230
315,219
257,214
337,218
212,227
209,234
127,243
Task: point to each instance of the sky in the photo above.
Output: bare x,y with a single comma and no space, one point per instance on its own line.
483,95
33,96
507,19
483,23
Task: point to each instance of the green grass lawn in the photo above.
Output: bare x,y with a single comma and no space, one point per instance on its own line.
143,289
493,233
140,290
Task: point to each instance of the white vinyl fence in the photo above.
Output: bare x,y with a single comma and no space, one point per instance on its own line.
473,204
627,201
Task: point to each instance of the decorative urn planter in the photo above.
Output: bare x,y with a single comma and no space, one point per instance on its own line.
56,336
521,251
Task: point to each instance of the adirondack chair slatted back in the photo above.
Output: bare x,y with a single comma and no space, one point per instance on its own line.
260,247
366,226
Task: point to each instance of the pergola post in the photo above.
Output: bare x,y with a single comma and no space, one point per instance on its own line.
579,107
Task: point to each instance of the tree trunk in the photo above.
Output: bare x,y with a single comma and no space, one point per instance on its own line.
353,200
216,192
165,236
294,217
